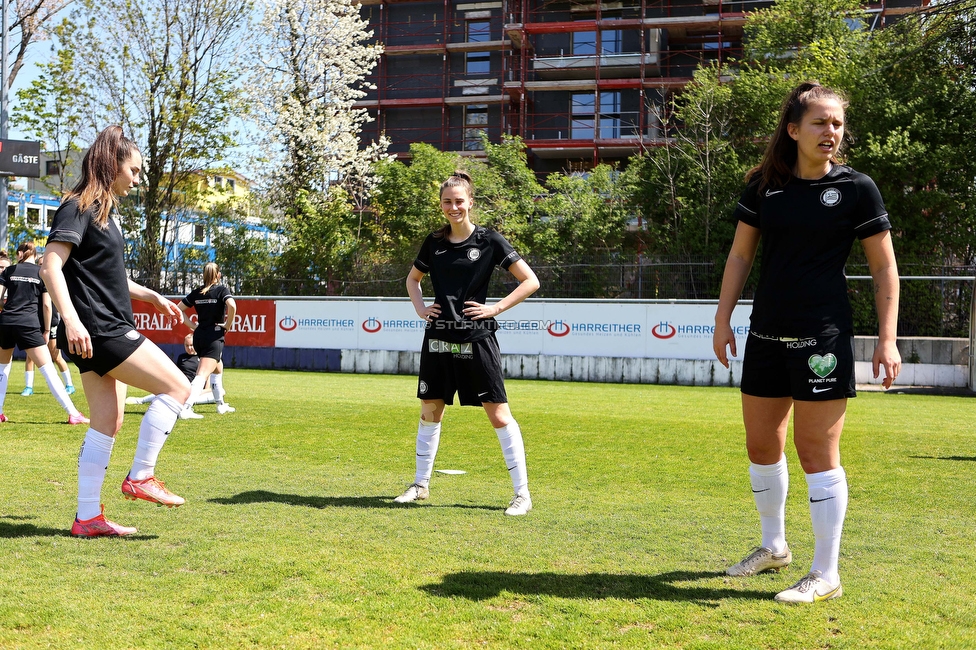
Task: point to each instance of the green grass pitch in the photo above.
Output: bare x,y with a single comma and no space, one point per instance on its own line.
290,539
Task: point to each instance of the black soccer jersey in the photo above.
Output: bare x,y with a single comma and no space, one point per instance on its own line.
210,305
808,228
24,291
460,272
95,271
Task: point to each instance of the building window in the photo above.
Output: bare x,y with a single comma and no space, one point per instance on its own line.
231,185
49,219
478,31
198,234
611,119
475,121
218,181
611,41
584,43
586,124
33,216
52,168
582,112
12,209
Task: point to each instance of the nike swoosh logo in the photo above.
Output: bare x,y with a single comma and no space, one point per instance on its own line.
439,252
820,390
819,597
769,193
812,500
758,491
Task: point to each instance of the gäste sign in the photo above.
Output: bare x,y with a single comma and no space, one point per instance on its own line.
20,158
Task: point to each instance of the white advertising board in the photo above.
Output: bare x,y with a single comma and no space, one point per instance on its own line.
602,329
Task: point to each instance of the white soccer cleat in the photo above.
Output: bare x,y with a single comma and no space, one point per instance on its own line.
225,408
759,560
190,414
810,589
133,400
415,492
520,505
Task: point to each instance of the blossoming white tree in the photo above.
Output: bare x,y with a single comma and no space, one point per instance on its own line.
313,60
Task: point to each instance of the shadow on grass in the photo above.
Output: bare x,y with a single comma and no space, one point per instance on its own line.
963,458
264,496
482,585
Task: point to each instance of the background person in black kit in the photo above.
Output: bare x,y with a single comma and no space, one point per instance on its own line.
52,346
460,353
20,326
85,272
187,362
215,314
807,209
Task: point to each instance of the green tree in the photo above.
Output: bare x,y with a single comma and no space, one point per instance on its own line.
247,257
168,71
56,106
405,204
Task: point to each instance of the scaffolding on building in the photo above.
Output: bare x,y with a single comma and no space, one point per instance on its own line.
581,80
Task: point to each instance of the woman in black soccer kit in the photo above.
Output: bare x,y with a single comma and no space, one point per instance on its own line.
807,209
215,314
460,353
85,272
21,326
52,346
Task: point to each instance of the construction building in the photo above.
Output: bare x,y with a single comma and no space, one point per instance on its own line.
580,82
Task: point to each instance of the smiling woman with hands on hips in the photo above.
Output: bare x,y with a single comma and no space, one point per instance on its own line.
85,273
807,209
460,352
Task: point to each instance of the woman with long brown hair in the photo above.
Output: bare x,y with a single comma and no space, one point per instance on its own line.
85,273
807,209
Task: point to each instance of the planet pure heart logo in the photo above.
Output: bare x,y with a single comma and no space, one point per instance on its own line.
822,366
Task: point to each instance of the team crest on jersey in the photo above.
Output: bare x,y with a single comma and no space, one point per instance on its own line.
423,387
830,197
473,254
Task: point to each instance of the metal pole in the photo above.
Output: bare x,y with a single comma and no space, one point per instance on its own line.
4,115
972,342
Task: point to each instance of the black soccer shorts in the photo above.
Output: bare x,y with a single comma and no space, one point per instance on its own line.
473,370
24,338
812,369
108,352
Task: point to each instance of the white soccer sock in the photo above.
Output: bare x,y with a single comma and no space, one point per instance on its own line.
769,486
93,459
196,387
29,378
428,438
217,388
4,380
66,376
50,373
510,437
828,506
155,427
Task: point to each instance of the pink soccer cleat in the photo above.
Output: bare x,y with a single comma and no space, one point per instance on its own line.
150,489
78,418
99,527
